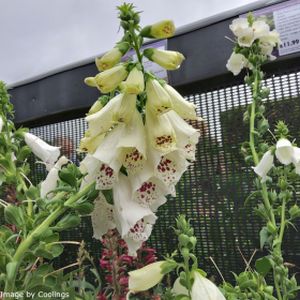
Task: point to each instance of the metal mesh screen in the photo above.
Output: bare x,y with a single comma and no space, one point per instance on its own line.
213,191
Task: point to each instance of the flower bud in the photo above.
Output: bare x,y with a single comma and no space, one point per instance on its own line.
134,83
170,60
95,107
112,57
127,108
90,81
108,80
160,30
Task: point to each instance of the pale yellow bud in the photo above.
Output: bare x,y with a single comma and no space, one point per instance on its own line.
90,81
127,108
134,83
109,59
161,30
95,108
90,143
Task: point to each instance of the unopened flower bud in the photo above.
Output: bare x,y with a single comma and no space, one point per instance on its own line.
160,30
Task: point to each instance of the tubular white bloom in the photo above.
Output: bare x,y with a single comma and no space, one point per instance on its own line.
1,123
102,217
203,288
127,108
170,60
90,143
260,29
124,145
108,80
178,288
47,153
186,136
158,99
109,59
160,132
183,108
49,184
94,169
296,159
101,121
145,278
284,151
265,165
134,83
236,63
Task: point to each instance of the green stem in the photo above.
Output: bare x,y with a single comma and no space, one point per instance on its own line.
187,274
25,244
136,46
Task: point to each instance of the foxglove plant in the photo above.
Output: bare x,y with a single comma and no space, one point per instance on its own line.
276,167
138,141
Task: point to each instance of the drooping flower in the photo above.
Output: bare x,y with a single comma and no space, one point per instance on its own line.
160,30
265,165
102,217
134,83
170,60
47,153
236,63
145,278
134,222
160,132
183,108
108,80
284,151
127,108
101,121
296,159
98,171
112,57
158,99
50,183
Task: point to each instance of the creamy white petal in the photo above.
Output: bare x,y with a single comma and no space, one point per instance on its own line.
238,26
102,217
260,29
203,288
50,183
179,289
265,165
101,121
236,63
284,151
47,153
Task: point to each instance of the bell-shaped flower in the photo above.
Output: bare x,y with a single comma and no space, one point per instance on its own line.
50,183
1,124
47,153
102,217
183,108
145,278
296,159
109,80
134,222
236,63
265,165
160,30
170,60
186,136
158,100
124,145
151,194
95,170
112,57
284,151
127,108
101,121
160,132
134,83
90,143
239,26
202,288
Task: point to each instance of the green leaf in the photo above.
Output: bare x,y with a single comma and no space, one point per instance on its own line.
66,176
263,266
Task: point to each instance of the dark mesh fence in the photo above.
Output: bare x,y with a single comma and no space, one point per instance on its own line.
213,191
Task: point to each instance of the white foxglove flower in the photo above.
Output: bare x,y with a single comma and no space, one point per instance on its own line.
160,132
1,123
47,153
203,288
134,83
97,106
236,63
182,107
145,278
284,151
170,60
158,100
98,171
296,159
90,143
186,136
134,222
127,108
50,183
101,121
124,145
265,165
109,80
239,26
272,38
260,29
102,217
